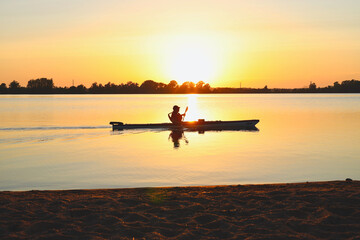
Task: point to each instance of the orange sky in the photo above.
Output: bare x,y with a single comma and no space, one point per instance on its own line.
275,43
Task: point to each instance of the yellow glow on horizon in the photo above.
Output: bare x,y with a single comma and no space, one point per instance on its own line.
192,58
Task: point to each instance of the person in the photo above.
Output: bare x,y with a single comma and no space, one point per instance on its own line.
175,117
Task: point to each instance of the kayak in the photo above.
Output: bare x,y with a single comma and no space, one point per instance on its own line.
191,125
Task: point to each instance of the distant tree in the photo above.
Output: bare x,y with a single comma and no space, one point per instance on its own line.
184,88
111,87
206,88
81,89
337,85
149,86
191,87
266,87
312,86
94,87
161,87
171,87
40,83
350,85
129,87
3,88
132,84
187,87
199,85
172,84
72,90
14,85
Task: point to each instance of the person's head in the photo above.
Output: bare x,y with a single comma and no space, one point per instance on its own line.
176,108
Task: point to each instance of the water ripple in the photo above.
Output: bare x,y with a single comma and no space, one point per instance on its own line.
52,128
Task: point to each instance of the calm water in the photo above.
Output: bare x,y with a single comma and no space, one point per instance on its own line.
65,142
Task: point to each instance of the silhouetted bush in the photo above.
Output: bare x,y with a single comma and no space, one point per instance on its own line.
3,88
14,85
40,83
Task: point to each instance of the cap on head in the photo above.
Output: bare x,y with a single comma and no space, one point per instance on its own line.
176,107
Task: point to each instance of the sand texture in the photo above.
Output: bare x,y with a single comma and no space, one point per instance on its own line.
322,210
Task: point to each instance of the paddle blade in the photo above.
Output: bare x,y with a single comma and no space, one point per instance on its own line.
187,108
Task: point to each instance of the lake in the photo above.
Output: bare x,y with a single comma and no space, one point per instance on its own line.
66,142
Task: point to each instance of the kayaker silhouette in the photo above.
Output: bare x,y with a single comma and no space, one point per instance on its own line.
175,117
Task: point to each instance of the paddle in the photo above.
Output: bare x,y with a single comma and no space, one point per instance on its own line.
187,108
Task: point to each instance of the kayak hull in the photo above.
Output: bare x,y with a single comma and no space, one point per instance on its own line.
191,125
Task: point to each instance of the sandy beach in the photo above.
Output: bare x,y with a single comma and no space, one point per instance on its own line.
319,210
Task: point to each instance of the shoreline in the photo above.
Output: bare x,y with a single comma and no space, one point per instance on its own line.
309,210
180,186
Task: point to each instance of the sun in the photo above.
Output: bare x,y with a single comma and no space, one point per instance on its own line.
191,58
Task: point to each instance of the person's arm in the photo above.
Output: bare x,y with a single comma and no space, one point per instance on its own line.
169,115
183,115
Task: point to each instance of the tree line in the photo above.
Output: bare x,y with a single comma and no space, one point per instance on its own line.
46,86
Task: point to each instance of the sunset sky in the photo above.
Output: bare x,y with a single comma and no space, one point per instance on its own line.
276,43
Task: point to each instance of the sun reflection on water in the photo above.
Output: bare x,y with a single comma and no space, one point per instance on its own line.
193,114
